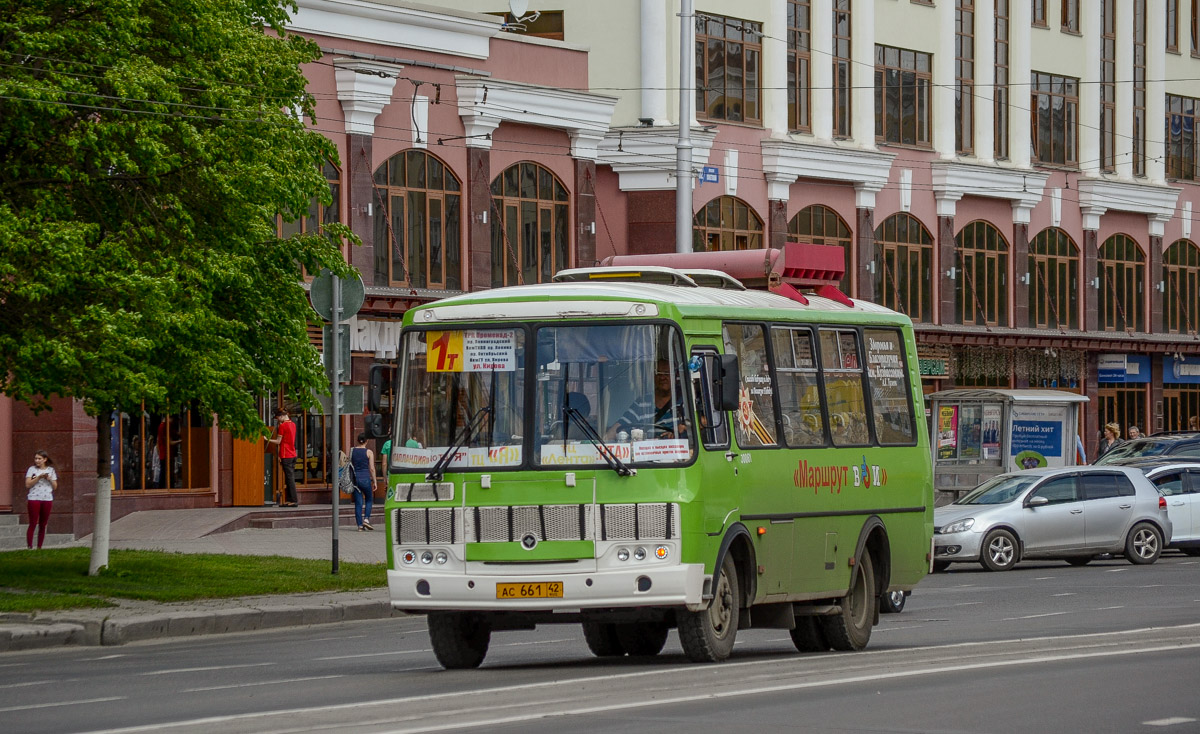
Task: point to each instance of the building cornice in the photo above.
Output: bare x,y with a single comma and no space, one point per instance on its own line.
953,180
644,157
1100,195
398,24
786,161
1117,341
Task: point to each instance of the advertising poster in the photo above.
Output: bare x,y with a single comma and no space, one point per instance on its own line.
1037,437
947,436
991,431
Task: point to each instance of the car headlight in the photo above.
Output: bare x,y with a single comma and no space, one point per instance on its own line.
958,527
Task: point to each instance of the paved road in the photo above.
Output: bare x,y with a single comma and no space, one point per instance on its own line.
1109,647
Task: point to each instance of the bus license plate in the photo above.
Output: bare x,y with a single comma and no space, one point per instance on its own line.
532,590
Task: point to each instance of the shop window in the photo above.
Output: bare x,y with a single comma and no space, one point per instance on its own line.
1053,281
755,421
1181,288
904,249
1124,404
313,435
1055,105
726,223
531,225
964,76
161,452
799,65
820,225
418,222
1122,272
903,80
1183,114
728,68
1181,406
981,284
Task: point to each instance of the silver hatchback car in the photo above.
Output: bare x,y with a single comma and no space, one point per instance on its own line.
1074,513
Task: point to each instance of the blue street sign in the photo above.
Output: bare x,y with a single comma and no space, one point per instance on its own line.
710,174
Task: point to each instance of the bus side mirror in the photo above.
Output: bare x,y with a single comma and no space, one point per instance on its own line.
376,385
375,425
727,382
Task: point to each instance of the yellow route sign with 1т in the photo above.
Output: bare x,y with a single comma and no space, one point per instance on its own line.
476,350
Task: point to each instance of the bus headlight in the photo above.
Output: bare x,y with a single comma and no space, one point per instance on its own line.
427,557
441,558
622,554
639,554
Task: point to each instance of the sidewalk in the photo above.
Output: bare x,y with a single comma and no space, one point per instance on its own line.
202,531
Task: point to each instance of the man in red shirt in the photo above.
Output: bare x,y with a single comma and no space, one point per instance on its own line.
285,438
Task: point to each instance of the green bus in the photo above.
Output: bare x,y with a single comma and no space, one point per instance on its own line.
636,449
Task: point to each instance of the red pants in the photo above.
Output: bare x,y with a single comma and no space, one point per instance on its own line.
39,515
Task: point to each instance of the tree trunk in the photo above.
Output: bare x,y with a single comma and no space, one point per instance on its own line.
103,509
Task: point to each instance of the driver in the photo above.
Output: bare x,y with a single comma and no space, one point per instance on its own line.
662,418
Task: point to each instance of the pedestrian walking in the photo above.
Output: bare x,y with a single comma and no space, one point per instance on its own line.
41,480
362,464
285,439
1111,439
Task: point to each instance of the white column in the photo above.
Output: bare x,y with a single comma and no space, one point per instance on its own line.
1156,90
862,72
943,81
1089,88
1019,53
822,69
1124,136
774,65
985,80
654,60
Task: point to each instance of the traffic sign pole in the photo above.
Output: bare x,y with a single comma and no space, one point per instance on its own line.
335,384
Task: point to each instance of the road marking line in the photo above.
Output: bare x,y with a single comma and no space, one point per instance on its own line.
33,683
1033,616
208,667
535,642
1068,593
211,720
373,654
330,639
61,703
1114,570
102,657
891,629
1168,722
1044,578
1105,609
261,683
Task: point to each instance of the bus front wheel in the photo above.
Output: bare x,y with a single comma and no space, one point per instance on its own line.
708,636
850,629
459,639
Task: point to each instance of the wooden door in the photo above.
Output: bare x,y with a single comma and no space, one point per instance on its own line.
248,475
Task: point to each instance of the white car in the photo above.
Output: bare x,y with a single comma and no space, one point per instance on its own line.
1179,482
1073,513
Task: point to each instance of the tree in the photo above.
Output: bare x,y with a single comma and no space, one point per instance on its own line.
146,148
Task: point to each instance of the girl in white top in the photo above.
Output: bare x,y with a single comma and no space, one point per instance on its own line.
41,480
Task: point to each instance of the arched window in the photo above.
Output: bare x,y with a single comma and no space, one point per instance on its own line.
1053,280
904,258
820,225
532,225
1122,272
981,284
418,222
726,223
1181,284
318,214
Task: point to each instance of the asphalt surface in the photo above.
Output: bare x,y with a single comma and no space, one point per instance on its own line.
1046,647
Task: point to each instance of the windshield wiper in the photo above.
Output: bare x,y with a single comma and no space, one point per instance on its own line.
439,468
590,434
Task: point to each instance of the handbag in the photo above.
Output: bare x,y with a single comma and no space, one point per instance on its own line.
346,477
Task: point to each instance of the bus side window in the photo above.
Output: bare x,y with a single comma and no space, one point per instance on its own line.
714,427
799,388
843,376
755,421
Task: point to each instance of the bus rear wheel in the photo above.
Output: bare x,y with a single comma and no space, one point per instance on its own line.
850,629
459,639
602,639
643,639
707,636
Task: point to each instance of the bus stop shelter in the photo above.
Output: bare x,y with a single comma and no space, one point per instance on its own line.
979,433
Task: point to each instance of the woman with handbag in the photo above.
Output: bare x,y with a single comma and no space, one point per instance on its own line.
362,463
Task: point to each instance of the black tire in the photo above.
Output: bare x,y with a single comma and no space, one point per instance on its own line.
707,636
807,636
459,639
643,640
1143,546
602,640
892,602
851,629
940,566
1080,560
1000,551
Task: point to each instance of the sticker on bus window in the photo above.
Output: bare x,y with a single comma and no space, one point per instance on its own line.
660,450
579,452
476,350
495,456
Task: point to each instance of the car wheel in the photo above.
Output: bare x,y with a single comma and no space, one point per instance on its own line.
851,629
1143,545
999,551
893,602
1080,561
707,636
939,566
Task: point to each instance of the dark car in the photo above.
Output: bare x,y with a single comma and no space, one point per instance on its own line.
1177,445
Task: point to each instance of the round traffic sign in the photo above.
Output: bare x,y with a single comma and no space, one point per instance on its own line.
320,294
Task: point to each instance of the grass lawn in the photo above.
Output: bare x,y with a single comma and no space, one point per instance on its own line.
56,578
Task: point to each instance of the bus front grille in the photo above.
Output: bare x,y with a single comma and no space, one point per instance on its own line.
645,521
506,524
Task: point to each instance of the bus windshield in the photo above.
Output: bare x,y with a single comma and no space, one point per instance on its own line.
616,389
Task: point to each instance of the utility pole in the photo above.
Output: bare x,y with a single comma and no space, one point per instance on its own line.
683,148
335,384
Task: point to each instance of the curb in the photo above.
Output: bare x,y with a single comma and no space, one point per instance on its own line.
120,631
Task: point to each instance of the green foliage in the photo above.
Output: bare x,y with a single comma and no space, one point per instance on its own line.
61,576
146,147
